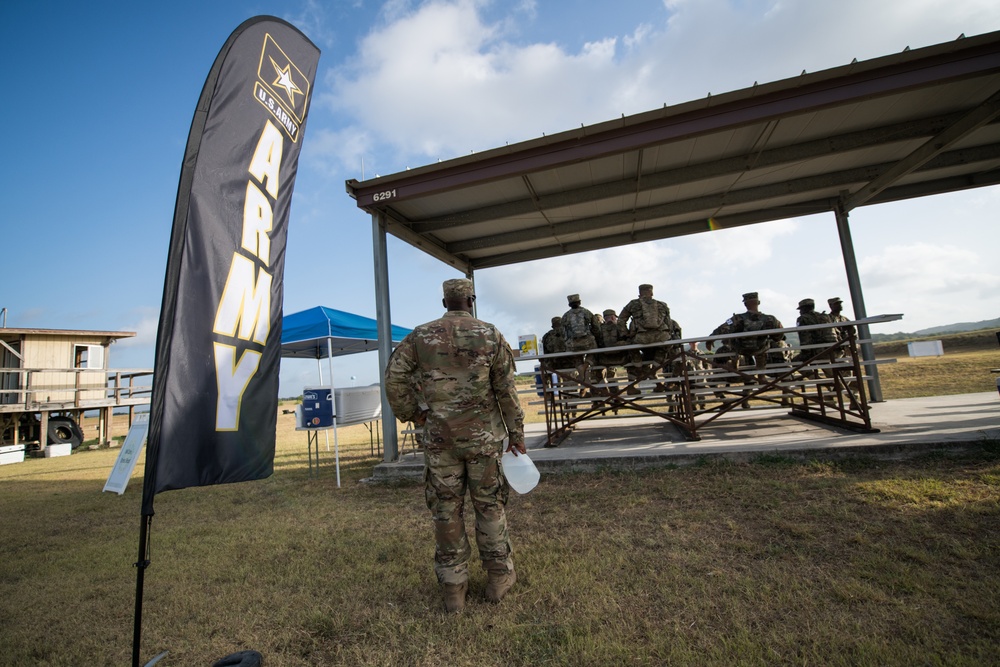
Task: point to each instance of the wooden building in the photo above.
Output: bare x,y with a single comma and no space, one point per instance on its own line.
50,377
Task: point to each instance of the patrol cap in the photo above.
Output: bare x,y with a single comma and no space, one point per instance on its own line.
750,295
807,303
556,321
645,286
572,297
834,301
457,288
609,312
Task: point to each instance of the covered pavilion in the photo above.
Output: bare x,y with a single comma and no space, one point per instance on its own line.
912,124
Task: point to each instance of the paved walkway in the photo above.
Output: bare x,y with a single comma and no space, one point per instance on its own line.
906,427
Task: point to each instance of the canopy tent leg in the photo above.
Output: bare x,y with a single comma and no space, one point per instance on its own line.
858,301
333,409
319,369
384,320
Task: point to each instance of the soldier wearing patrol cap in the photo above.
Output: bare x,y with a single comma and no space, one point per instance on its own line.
836,315
753,348
645,320
553,342
579,332
454,378
807,316
611,337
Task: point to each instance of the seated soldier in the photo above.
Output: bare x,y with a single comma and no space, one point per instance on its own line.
754,348
611,337
553,342
580,334
645,320
807,316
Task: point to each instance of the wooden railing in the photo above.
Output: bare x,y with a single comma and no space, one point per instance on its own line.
32,389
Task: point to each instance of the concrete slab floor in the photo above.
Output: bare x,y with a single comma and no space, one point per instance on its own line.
907,427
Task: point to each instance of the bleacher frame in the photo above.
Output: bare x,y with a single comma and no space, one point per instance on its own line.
825,383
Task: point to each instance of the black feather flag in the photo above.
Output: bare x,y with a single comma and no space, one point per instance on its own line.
215,382
214,406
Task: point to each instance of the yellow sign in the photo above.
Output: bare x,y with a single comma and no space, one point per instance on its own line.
528,345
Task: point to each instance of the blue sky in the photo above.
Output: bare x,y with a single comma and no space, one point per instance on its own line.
101,97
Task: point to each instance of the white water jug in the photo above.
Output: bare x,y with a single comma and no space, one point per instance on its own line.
520,472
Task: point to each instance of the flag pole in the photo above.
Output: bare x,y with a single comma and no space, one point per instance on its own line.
141,564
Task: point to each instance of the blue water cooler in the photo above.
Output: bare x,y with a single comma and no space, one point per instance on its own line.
317,407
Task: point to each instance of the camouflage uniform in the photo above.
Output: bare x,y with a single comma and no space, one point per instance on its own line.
844,332
611,336
645,320
696,374
553,342
807,316
458,373
575,342
753,348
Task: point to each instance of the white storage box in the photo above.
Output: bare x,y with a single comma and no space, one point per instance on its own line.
62,449
357,405
11,454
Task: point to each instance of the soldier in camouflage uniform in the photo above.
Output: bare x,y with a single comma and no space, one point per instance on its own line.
751,347
454,376
754,349
580,333
696,374
611,337
807,316
553,342
836,315
645,320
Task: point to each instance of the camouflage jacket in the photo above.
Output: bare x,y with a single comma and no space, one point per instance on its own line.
553,341
461,371
815,336
610,335
583,315
844,332
750,322
631,320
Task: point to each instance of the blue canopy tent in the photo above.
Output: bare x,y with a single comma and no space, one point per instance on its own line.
324,332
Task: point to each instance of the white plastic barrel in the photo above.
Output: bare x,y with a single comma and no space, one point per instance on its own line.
520,471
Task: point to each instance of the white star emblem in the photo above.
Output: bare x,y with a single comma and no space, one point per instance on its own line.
284,80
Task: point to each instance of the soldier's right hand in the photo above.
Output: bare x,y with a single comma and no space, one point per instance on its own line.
517,446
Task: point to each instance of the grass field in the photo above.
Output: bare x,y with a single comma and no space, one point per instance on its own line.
860,562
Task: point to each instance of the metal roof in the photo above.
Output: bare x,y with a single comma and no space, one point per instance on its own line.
12,332
907,125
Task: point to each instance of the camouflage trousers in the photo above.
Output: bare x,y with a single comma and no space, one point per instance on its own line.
651,358
448,473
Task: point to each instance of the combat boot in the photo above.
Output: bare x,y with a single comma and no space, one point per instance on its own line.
454,597
498,583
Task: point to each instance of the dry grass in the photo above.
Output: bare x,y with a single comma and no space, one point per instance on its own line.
760,564
773,562
956,373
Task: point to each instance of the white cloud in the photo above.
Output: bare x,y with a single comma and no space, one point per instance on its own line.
145,329
442,78
438,80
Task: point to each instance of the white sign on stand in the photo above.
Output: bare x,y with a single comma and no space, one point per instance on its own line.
129,454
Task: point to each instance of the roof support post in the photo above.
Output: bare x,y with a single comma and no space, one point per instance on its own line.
858,301
384,327
471,277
